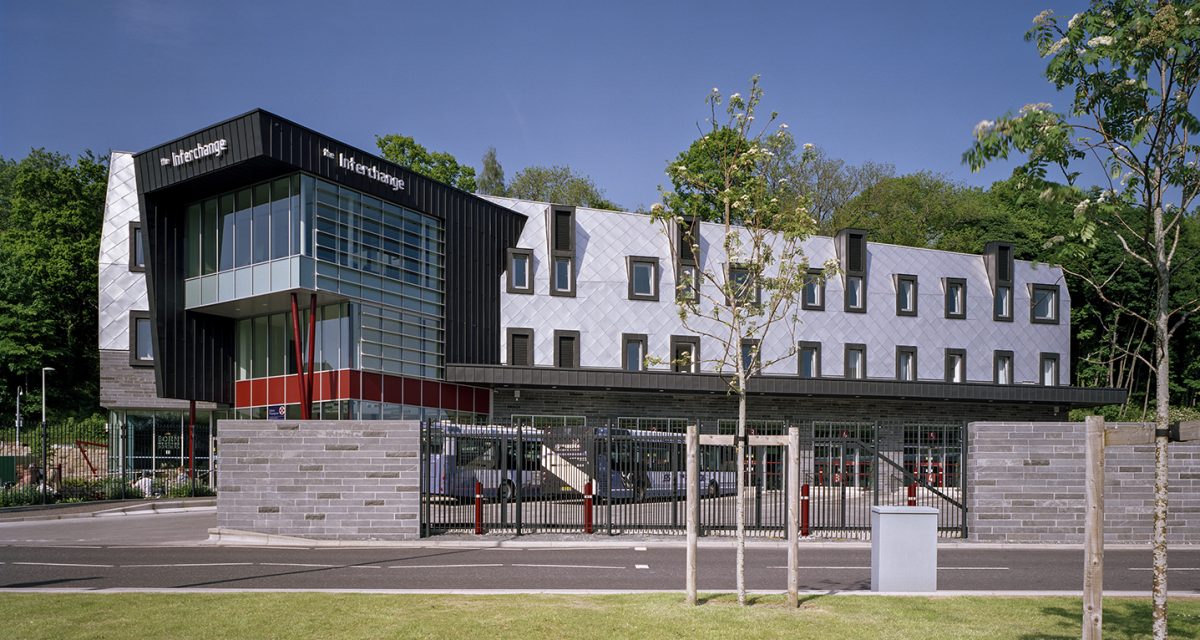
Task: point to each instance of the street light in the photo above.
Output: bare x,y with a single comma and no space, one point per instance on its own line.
20,392
45,439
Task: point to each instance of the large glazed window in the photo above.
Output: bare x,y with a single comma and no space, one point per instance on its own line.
244,227
265,345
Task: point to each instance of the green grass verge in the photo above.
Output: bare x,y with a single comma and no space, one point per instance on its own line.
315,615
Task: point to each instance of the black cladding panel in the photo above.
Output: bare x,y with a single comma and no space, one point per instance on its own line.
194,351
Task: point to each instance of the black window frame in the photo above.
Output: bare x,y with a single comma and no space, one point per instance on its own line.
846,351
1043,358
900,279
815,277
910,350
135,231
1034,288
996,356
529,351
135,361
962,283
559,335
511,285
694,342
630,263
626,339
801,347
950,355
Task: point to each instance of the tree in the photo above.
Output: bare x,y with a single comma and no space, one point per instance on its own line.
1133,67
745,285
560,185
830,183
51,212
491,178
439,165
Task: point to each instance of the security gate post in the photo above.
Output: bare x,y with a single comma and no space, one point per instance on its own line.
793,484
693,507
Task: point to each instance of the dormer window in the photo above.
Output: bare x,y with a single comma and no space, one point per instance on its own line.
562,252
956,298
813,296
520,271
1043,300
906,295
643,278
998,257
852,250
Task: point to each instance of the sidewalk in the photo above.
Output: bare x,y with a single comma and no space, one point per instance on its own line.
101,508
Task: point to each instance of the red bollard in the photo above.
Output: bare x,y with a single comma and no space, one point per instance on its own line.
478,508
587,507
912,495
804,507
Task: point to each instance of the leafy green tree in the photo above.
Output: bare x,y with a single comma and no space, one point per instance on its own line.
745,285
439,165
491,178
1133,67
51,211
560,185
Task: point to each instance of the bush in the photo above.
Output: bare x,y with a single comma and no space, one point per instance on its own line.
113,488
20,496
186,491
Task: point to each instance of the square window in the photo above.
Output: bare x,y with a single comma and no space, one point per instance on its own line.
1043,301
810,359
520,271
643,278
633,352
906,363
1002,303
956,298
1002,367
855,295
856,361
813,296
906,295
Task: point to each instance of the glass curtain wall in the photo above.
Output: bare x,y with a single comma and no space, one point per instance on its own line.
265,345
249,226
157,441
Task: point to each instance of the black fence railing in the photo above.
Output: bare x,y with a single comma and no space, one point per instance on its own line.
82,461
541,474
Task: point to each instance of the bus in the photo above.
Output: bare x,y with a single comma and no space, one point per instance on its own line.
653,464
501,459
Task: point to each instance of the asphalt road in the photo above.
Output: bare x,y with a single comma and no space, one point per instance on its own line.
168,551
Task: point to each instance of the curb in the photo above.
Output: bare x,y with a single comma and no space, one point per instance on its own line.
601,592
168,506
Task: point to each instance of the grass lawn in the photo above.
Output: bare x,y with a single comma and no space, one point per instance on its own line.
316,615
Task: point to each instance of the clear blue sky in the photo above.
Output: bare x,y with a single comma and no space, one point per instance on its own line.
613,89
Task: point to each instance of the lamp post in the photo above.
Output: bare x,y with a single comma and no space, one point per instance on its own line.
45,438
20,392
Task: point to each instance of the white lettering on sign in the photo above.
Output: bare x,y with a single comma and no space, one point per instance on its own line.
349,163
184,156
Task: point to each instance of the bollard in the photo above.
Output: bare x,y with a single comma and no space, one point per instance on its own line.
478,508
804,507
587,507
912,495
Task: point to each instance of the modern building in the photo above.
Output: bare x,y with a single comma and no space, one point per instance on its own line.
262,270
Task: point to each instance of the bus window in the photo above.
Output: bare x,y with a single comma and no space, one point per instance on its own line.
476,453
533,456
656,456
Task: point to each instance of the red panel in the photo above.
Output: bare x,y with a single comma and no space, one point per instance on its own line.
258,392
241,393
449,396
466,399
483,401
323,386
372,386
431,394
393,389
412,392
351,384
277,389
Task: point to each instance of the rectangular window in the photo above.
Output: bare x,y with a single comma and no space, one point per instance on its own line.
243,229
260,250
566,349
1002,367
1002,304
633,351
813,296
520,263
228,231
1043,301
563,270
906,363
562,252
643,278
751,356
520,347
688,287
906,295
856,296
280,223
1049,369
810,359
685,354
956,365
742,286
137,247
141,339
856,361
956,298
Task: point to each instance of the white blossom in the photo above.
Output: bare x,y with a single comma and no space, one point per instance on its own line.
1043,17
1035,107
1074,18
1081,208
983,127
783,125
1099,41
735,96
1056,47
808,145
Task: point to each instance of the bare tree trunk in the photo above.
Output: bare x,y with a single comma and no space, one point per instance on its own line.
1162,334
739,448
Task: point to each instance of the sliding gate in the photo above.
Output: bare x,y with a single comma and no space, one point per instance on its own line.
560,474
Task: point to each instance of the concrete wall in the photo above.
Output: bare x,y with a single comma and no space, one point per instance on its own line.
1025,484
601,405
320,479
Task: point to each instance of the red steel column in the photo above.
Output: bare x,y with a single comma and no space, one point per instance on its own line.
312,339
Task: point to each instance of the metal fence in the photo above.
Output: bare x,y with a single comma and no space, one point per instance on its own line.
80,461
540,474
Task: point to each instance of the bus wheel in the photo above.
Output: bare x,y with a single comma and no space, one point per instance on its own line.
505,492
713,489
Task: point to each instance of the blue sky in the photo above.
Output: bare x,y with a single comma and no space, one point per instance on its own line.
613,89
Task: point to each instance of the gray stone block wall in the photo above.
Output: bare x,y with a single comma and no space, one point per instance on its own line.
124,386
320,479
1025,483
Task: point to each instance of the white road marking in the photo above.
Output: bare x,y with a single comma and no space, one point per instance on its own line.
1168,568
867,568
567,566
63,564
639,548
298,564
187,564
641,566
440,566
